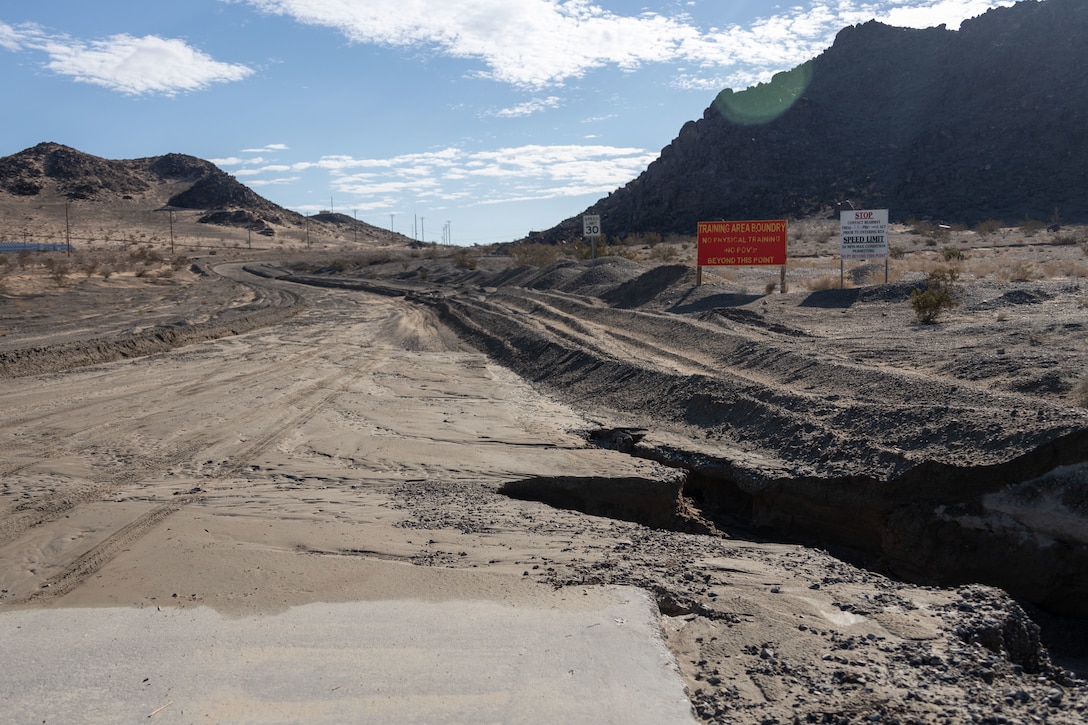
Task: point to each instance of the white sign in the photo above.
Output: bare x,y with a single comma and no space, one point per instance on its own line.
864,234
591,225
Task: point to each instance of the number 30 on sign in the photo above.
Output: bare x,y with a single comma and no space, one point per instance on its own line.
591,225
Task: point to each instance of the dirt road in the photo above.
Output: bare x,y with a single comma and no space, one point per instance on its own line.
358,450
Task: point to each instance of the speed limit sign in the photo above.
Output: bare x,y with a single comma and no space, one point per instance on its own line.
591,225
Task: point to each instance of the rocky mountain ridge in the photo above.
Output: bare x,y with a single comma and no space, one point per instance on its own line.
169,182
986,122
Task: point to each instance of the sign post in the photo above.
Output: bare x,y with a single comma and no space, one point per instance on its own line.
863,236
591,227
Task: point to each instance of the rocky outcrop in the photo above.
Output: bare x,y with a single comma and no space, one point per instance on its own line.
173,180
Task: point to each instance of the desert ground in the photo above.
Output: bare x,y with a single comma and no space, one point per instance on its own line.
838,514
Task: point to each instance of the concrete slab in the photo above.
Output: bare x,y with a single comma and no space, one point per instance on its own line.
392,661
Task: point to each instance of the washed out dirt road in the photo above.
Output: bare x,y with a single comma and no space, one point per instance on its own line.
359,449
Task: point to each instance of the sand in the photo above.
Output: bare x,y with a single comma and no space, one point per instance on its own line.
345,462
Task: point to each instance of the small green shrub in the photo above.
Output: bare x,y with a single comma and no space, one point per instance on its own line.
942,293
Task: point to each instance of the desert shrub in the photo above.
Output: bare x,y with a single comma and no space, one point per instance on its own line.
58,270
1030,227
533,254
1020,271
987,227
933,232
464,259
1068,240
896,252
643,238
616,250
664,253
942,293
953,254
770,287
828,281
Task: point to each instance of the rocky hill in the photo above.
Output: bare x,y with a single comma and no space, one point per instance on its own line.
173,181
987,122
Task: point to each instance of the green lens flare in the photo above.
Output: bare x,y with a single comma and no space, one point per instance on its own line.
765,102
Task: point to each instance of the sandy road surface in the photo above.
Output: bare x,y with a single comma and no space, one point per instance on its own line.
354,454
262,472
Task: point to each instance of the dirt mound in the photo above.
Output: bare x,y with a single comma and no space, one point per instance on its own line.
648,285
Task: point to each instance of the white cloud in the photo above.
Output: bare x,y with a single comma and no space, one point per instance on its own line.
528,108
531,171
267,149
124,63
274,182
537,43
10,38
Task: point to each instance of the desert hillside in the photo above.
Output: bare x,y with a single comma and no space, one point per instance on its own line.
947,126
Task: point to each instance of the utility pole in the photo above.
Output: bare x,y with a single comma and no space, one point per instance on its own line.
172,232
67,229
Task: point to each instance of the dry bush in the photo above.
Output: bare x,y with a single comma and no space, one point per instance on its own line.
1062,268
932,232
828,281
1069,239
1019,271
464,259
876,276
374,258
664,253
982,269
58,270
534,254
987,227
953,254
1029,227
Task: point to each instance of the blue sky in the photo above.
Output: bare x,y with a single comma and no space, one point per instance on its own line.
468,121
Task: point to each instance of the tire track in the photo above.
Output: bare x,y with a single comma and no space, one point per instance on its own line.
45,509
86,565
